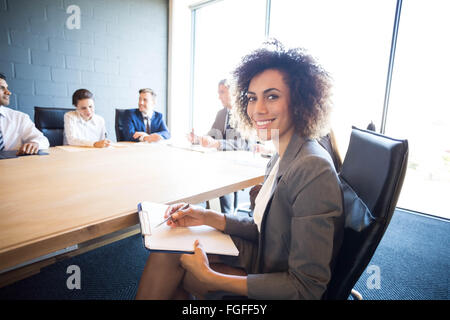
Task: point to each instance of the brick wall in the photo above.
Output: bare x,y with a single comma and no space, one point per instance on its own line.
121,46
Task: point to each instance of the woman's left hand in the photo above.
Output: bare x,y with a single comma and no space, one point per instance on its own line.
197,263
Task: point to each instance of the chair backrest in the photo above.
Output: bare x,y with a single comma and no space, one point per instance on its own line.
328,142
51,122
372,176
120,115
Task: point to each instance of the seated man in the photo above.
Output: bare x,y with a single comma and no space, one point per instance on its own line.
17,131
221,135
83,127
145,124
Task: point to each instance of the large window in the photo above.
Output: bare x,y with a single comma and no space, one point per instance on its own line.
224,32
418,108
352,40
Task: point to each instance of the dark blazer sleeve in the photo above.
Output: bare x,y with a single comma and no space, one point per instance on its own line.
159,126
129,125
243,227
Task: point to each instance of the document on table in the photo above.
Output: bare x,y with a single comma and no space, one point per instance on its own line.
87,148
165,238
9,154
74,148
186,145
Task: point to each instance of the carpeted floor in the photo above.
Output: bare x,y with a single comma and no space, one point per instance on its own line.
413,260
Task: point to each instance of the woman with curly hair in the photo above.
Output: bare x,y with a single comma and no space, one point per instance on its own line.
288,249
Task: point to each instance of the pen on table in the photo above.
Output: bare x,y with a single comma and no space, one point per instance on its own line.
170,216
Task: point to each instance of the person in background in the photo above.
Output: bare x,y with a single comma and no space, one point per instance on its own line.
222,137
83,127
144,123
288,249
17,131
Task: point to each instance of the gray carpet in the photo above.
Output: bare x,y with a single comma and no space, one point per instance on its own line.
413,258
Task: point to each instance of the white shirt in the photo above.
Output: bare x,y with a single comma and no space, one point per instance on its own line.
79,132
264,195
18,129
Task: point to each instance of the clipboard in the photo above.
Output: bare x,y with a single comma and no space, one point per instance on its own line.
181,239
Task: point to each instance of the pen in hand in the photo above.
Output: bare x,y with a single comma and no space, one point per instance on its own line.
170,216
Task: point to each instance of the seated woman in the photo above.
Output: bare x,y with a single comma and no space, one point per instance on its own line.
288,249
83,127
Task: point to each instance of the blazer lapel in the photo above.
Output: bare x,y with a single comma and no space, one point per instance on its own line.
293,148
139,120
153,123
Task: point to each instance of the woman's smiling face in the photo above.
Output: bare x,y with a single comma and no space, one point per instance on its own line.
268,105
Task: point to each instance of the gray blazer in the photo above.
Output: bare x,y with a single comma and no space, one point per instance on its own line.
301,230
229,139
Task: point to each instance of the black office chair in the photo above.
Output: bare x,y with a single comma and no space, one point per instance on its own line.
51,122
120,116
371,126
372,176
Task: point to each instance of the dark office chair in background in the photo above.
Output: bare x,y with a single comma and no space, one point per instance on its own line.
51,122
372,176
120,115
371,126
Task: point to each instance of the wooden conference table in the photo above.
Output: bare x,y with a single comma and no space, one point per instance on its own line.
74,195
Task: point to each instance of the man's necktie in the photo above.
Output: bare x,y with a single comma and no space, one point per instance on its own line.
147,125
227,124
2,143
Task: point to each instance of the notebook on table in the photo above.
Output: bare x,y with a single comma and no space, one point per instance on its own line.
9,154
180,240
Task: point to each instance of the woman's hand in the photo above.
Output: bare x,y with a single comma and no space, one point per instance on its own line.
197,263
102,143
191,216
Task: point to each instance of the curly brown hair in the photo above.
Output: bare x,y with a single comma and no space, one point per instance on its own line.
309,86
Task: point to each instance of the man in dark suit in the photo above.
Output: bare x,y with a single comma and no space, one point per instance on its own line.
144,123
222,136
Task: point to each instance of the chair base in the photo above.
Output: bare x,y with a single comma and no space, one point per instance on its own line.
356,295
